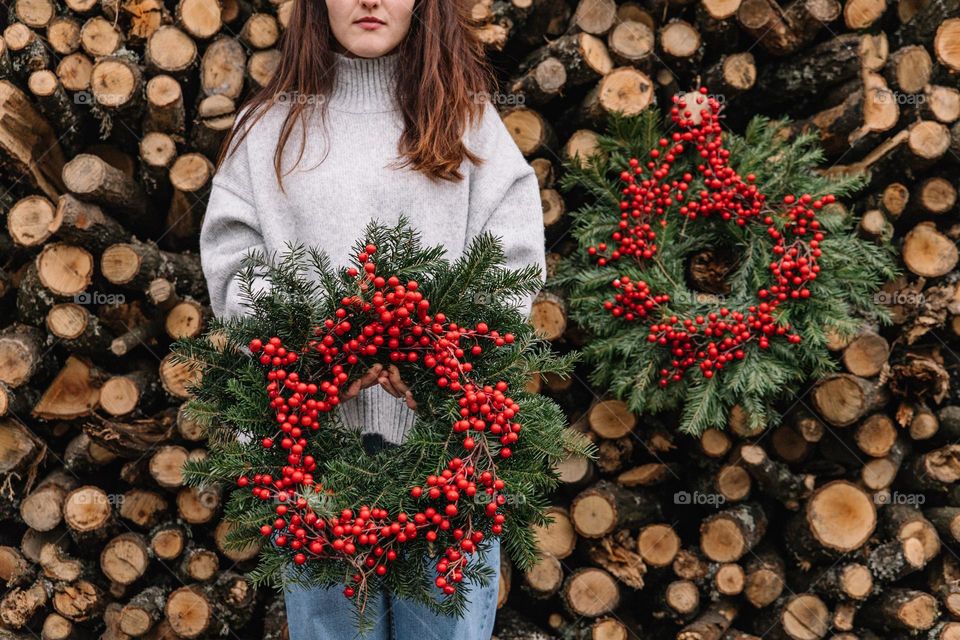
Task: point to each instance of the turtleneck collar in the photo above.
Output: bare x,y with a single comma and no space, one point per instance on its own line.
364,85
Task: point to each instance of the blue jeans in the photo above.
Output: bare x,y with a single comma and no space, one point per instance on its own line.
326,614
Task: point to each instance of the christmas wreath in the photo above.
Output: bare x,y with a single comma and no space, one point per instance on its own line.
476,464
710,267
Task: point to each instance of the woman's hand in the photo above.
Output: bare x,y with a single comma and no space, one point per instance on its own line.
391,381
388,378
368,378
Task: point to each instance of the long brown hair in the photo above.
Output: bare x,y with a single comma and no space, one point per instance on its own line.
442,72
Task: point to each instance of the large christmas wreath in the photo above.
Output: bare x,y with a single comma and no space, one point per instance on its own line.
710,267
477,463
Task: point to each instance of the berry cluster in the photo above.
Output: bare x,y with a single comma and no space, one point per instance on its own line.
717,338
394,323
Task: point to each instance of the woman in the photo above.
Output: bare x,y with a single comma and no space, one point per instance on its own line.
387,98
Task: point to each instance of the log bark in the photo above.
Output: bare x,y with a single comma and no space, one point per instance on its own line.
784,32
839,517
606,506
728,535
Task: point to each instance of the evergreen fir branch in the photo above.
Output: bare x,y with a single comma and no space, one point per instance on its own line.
576,443
268,572
399,249
521,544
703,408
538,358
528,483
508,283
631,136
482,254
324,273
759,413
592,178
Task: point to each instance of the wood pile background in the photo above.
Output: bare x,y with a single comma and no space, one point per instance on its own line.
842,523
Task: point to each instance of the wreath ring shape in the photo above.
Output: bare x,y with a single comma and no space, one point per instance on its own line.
462,477
714,339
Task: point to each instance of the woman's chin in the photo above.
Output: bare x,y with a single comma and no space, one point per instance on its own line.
368,42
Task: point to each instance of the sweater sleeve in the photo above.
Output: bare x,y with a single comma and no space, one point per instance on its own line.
505,199
230,228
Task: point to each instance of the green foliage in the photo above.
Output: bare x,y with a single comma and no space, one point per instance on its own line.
625,363
288,296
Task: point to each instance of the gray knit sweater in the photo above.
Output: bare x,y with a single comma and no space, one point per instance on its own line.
327,204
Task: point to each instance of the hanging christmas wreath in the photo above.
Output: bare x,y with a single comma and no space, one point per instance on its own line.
476,464
710,266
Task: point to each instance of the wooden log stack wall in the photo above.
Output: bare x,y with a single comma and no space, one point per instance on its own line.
842,523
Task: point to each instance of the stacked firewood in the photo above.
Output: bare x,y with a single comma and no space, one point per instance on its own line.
842,522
